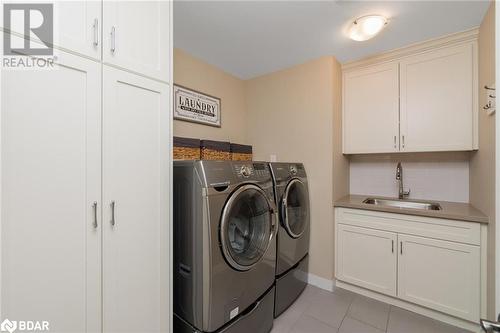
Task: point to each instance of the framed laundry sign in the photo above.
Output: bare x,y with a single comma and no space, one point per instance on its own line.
197,107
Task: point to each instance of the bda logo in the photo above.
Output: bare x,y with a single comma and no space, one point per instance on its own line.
8,326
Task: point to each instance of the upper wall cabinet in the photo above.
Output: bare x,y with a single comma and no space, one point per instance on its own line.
130,35
422,98
437,93
371,109
78,27
136,36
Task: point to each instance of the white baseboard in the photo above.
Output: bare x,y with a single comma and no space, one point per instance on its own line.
320,282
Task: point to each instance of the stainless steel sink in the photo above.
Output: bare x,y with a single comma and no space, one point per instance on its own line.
403,204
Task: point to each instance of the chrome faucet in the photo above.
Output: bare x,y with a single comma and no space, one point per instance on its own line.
399,178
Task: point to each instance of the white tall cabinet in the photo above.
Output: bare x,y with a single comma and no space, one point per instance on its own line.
135,198
51,177
85,170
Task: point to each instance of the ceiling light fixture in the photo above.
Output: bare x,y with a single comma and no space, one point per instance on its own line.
366,27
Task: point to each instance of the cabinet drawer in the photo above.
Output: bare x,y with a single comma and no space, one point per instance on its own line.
451,230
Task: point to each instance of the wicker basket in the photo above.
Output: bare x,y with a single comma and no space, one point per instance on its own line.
215,150
186,149
241,152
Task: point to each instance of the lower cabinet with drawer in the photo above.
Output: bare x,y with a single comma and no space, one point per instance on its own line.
429,263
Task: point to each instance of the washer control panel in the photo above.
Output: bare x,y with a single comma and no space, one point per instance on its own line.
243,170
256,170
261,170
246,171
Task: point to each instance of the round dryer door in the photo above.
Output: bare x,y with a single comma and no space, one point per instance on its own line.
295,208
247,227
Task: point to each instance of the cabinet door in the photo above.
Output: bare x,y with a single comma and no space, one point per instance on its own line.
135,176
440,275
76,26
367,258
371,109
136,36
438,102
51,177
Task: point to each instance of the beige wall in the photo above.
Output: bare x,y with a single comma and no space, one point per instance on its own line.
291,115
193,73
294,114
482,165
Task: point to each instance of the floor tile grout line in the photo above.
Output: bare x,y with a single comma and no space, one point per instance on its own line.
388,317
367,323
301,313
345,315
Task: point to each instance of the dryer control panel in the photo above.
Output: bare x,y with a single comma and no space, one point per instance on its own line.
282,172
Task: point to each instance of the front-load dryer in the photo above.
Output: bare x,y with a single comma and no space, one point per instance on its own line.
225,227
292,200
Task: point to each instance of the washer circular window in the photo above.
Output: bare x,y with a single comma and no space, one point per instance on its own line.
246,227
295,208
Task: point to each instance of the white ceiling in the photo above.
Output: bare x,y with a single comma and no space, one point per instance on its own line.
251,38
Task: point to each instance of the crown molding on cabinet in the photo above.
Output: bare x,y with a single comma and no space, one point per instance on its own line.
412,49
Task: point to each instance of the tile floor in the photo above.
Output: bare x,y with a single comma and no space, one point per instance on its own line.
320,311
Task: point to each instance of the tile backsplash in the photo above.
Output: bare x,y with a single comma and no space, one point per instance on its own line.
429,176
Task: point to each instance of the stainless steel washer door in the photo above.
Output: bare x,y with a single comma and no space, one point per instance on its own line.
295,208
247,227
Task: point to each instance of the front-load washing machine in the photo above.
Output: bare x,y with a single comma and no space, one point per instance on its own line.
292,200
225,226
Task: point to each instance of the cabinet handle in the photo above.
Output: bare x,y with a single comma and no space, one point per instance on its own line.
393,246
113,222
401,247
403,141
94,208
96,32
394,141
113,39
